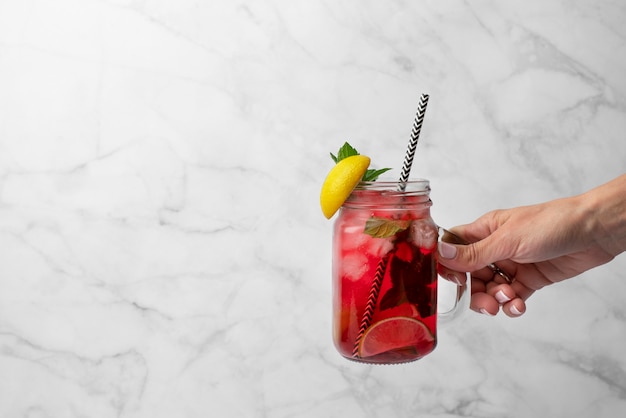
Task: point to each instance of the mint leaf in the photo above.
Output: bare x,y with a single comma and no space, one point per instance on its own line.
348,150
372,175
345,151
384,228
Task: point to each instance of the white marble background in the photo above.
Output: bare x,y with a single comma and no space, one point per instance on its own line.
162,252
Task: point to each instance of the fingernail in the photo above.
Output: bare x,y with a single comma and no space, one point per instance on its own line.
501,297
515,311
447,250
485,312
451,277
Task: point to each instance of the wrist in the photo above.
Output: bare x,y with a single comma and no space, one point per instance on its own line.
605,215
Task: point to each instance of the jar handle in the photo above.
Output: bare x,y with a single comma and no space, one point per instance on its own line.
463,292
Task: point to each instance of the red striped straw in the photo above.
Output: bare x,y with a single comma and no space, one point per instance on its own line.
372,299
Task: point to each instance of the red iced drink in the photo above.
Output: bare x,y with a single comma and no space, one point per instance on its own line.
384,274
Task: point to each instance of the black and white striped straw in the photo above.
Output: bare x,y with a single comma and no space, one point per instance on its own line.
415,134
372,300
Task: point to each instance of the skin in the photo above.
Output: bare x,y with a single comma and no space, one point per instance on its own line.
538,245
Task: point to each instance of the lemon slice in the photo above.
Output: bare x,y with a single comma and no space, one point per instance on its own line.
340,182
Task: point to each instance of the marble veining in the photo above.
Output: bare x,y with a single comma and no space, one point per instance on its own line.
162,251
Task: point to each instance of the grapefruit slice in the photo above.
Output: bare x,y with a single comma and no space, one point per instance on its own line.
394,333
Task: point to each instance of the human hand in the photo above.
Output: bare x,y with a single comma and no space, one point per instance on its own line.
538,245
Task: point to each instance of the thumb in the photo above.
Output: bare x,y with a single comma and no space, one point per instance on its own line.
470,257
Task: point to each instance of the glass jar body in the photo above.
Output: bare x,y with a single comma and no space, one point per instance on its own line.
385,274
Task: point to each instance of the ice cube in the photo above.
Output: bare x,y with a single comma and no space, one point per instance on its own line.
423,233
353,265
353,237
380,246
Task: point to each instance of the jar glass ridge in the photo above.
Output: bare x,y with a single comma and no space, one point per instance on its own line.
387,193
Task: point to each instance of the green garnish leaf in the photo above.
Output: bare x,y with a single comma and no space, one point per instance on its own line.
345,151
372,175
384,228
348,150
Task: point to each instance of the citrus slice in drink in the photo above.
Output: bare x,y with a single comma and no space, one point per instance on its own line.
340,182
395,333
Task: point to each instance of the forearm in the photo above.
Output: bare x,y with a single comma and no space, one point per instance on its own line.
606,207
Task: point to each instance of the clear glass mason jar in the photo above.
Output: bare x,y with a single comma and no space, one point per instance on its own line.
385,274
